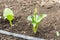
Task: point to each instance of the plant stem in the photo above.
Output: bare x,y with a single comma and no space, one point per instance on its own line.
35,28
10,23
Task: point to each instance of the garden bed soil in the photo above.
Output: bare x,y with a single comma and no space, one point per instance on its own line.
24,8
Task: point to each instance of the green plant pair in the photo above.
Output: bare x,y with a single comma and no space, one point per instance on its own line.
36,19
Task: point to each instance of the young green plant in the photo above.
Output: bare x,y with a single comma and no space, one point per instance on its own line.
35,19
8,14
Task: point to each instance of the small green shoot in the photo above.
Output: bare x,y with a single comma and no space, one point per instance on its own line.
35,19
8,14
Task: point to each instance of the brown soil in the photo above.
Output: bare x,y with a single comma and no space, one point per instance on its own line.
23,8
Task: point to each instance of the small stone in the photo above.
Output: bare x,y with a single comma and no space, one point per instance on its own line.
23,32
12,25
0,17
29,23
6,6
57,33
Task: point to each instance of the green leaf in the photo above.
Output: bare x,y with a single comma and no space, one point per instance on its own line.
36,19
35,11
29,18
41,17
34,24
7,12
10,17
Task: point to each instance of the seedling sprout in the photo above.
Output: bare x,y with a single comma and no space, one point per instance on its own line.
8,14
36,19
